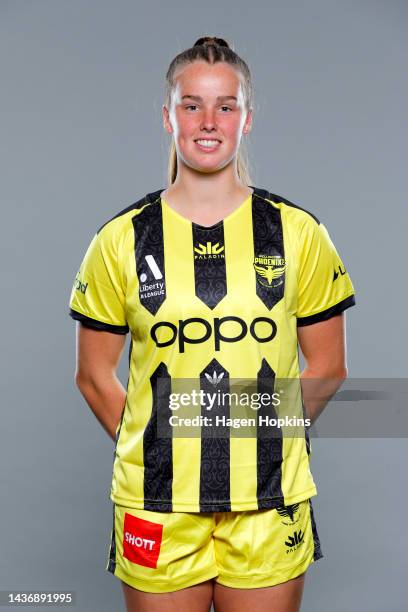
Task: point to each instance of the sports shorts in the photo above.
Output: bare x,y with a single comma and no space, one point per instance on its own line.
159,552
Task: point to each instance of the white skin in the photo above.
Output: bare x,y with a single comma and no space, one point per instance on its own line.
207,187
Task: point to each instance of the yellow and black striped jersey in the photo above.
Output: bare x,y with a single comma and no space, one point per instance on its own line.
208,303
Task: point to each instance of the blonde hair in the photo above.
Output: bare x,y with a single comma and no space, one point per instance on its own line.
211,49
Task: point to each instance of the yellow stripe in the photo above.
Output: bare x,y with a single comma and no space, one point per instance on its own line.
179,265
240,274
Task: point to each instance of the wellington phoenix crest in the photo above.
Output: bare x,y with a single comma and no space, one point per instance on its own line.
269,270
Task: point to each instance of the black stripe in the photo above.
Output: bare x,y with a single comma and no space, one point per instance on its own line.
305,416
130,352
317,547
99,325
158,451
263,193
268,242
307,438
148,198
209,264
328,313
112,550
124,406
148,232
269,447
215,444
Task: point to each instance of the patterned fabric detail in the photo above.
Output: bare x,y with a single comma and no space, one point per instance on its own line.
158,451
269,447
215,450
209,264
149,255
317,548
269,252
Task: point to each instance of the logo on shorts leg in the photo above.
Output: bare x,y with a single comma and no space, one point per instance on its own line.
289,514
294,541
141,540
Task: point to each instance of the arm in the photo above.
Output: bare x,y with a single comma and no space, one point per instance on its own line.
98,356
323,345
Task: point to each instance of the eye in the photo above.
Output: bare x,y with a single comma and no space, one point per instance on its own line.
227,107
191,106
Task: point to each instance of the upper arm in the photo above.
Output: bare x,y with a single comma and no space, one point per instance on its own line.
323,345
325,291
324,286
98,296
98,352
98,304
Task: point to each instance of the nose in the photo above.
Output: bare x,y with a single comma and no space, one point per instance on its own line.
208,120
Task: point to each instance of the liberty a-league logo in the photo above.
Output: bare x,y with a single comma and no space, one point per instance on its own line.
269,270
290,515
151,280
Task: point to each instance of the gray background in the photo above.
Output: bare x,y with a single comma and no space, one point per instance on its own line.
81,138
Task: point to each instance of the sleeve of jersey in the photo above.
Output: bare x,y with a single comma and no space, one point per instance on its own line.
98,297
324,286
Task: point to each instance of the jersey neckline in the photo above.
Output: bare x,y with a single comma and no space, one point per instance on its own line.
215,225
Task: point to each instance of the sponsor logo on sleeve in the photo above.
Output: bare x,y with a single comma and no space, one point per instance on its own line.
340,272
79,285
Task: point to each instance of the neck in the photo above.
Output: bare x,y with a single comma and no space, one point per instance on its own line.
206,190
206,199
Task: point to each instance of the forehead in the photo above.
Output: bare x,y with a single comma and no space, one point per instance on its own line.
200,78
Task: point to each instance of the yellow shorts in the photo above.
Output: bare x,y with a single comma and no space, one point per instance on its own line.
159,552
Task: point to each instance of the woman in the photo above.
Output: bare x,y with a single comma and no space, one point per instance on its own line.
217,281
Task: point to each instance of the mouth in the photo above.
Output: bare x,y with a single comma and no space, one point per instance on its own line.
208,144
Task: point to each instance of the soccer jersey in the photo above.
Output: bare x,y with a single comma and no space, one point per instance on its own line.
210,304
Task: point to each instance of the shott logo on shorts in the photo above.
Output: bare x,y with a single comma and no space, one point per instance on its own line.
141,540
138,541
294,541
262,329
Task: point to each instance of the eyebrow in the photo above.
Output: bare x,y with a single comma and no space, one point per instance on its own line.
199,98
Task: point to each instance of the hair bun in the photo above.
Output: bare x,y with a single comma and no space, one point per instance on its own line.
211,40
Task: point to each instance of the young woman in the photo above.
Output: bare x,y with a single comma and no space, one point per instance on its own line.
216,280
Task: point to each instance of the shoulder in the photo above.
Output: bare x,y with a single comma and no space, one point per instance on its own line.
121,221
292,214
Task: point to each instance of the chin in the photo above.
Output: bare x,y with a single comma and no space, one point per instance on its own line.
208,169
210,166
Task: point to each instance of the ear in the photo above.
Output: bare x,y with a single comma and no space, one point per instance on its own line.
248,122
166,120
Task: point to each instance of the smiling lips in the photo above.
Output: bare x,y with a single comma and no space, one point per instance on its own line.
208,144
